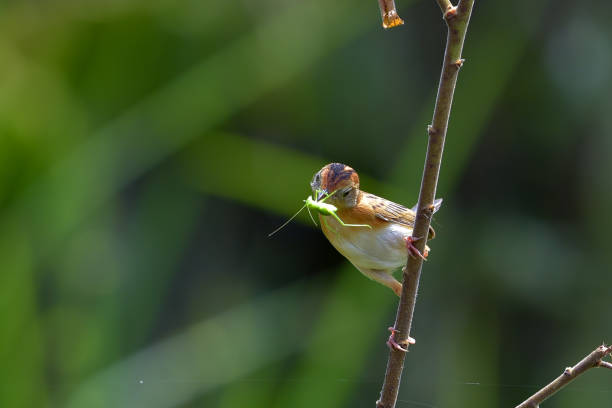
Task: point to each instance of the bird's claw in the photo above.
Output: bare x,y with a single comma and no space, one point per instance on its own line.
412,250
398,346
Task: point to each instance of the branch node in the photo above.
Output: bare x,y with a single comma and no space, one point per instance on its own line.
431,131
568,371
604,364
450,12
459,63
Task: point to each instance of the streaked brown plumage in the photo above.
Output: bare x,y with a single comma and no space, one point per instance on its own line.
376,251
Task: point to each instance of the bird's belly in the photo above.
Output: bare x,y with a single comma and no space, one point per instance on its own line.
380,248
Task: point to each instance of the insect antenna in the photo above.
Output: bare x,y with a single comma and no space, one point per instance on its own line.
287,222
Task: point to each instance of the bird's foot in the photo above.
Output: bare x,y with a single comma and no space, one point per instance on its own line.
398,346
412,250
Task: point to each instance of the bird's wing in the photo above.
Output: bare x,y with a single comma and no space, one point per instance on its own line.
398,214
393,212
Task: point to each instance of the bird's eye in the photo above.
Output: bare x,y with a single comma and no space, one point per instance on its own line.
317,178
345,193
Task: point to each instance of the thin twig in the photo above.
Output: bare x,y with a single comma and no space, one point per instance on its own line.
592,360
605,364
457,19
444,5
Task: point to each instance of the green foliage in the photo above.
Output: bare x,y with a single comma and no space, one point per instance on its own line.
148,148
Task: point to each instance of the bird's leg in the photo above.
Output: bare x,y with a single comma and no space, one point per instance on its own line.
398,346
383,277
412,250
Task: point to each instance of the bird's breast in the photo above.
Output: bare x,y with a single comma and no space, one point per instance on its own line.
382,247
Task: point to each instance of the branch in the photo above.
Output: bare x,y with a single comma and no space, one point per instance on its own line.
604,364
389,15
444,5
592,360
457,19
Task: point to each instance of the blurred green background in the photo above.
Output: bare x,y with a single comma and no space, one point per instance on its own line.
147,148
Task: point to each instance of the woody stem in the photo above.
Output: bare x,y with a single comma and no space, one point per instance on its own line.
594,359
457,19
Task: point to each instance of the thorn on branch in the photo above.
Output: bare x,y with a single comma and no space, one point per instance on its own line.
568,371
459,63
431,131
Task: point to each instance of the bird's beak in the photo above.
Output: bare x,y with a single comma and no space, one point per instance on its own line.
321,194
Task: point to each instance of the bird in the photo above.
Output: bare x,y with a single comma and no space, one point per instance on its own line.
380,238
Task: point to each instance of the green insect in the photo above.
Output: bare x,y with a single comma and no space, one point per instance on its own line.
322,208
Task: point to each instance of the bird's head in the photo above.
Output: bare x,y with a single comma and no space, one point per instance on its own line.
340,182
